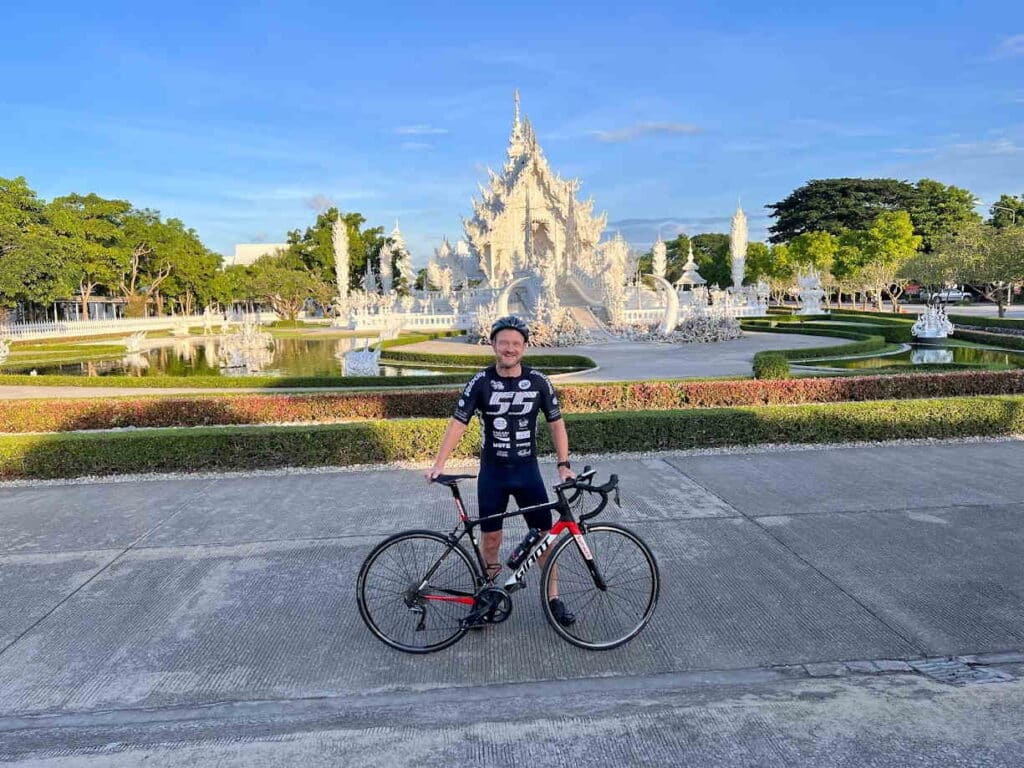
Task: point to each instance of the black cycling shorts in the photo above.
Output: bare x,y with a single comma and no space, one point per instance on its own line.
497,482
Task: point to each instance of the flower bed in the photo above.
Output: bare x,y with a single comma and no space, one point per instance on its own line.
62,415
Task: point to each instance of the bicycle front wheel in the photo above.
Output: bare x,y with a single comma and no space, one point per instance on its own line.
604,618
414,589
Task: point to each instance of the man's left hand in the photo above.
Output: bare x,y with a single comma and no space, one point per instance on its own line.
565,473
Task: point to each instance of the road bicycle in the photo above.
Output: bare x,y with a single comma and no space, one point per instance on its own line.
421,591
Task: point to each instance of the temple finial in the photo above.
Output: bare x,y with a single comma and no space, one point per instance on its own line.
516,97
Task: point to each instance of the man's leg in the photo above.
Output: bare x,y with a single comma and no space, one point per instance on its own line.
492,499
531,493
491,546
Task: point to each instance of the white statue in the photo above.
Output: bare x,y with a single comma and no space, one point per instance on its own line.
249,350
5,350
362,362
933,323
811,293
133,343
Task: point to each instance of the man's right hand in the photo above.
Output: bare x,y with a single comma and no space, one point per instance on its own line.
433,472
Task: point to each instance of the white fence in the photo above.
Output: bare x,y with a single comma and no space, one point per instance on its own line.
410,320
72,328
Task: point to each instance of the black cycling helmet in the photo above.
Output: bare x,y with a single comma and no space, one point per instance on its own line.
513,322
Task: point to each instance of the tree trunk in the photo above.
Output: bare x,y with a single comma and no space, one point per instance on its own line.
86,290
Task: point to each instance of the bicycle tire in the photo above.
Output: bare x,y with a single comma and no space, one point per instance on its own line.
399,563
604,619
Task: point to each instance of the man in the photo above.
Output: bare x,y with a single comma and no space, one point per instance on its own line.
507,397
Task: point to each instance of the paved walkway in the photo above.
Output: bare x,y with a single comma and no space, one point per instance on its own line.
211,621
630,361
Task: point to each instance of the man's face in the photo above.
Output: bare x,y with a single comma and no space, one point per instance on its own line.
509,346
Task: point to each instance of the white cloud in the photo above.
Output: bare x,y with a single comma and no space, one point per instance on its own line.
420,130
318,202
1011,46
638,130
416,146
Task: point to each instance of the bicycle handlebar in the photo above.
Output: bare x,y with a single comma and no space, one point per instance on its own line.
603,490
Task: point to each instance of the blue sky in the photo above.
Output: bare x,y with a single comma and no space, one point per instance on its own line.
243,119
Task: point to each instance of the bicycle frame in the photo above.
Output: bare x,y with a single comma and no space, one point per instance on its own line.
565,522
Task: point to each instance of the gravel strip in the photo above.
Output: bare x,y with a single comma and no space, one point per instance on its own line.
578,459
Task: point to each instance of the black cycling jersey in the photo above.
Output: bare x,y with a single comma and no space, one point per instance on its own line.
507,408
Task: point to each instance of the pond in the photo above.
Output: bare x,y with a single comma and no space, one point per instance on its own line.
927,354
299,357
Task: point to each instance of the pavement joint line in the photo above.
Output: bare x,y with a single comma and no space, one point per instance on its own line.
892,510
181,507
693,680
373,535
895,629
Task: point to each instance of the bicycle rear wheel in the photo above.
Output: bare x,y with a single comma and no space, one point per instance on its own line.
414,589
606,618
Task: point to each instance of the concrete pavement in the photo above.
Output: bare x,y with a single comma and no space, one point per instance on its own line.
212,621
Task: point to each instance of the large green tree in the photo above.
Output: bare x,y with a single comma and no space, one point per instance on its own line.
92,229
313,249
835,205
888,244
1008,211
33,264
280,285
988,258
938,209
711,252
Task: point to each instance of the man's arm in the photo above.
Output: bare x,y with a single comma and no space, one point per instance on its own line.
560,439
456,429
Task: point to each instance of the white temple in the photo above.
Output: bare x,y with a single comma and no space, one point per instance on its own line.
531,243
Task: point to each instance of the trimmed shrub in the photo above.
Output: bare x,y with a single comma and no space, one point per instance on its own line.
987,322
1005,340
559,362
62,455
771,365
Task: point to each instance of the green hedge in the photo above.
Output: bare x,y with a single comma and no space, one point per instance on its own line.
546,361
69,455
228,382
771,365
68,414
1005,340
987,322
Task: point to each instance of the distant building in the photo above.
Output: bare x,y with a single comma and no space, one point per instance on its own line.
247,253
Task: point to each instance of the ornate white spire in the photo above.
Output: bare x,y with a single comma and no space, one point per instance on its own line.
515,123
658,256
528,233
738,245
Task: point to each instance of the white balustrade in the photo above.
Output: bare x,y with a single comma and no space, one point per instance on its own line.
71,328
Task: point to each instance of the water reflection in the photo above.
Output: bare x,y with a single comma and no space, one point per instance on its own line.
210,356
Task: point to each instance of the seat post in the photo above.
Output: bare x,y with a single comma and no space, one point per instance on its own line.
457,496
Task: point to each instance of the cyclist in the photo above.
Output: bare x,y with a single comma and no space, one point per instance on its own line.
507,397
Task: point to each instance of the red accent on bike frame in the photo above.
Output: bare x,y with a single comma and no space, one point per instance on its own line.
449,599
462,512
558,527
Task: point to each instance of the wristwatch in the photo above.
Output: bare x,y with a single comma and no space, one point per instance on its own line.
565,464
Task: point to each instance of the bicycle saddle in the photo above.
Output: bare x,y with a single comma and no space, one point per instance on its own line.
452,479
